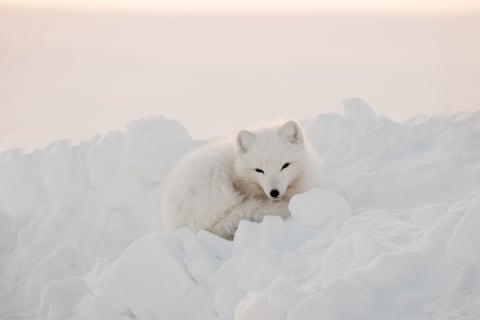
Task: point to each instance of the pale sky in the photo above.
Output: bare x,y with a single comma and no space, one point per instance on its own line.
261,5
72,74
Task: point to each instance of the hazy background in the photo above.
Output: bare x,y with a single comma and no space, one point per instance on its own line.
74,69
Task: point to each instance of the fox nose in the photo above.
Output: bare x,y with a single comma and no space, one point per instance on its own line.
274,193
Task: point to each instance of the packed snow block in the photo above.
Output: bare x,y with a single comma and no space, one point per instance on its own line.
196,304
63,261
316,208
151,147
357,109
318,130
255,306
246,236
21,185
426,215
272,231
58,172
394,270
274,234
103,159
151,276
464,244
217,246
256,268
15,172
200,262
60,297
283,294
342,300
226,299
7,234
273,302
104,300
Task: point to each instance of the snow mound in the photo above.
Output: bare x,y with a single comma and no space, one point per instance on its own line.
379,266
316,207
393,235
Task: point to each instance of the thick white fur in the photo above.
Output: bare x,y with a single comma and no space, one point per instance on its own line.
216,186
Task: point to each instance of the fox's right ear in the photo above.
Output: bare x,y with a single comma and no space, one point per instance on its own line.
244,140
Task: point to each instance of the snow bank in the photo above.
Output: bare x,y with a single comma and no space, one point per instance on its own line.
394,234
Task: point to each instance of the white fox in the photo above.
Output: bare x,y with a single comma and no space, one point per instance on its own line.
255,175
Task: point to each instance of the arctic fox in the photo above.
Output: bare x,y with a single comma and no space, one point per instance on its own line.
255,175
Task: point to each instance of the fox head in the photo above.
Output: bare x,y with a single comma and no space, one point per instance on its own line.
272,158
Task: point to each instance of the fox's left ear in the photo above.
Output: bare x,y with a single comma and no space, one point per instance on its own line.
292,132
244,140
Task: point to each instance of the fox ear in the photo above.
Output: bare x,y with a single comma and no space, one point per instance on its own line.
244,140
292,132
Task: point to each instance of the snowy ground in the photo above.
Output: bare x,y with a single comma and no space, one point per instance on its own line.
396,236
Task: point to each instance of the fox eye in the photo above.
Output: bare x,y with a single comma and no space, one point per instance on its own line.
285,165
259,170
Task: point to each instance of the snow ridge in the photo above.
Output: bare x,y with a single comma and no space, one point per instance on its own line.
394,235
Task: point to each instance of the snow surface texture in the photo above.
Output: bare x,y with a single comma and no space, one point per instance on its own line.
394,236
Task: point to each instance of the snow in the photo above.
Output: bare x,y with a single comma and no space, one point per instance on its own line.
315,207
392,234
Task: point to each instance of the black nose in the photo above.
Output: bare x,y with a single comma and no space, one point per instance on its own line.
274,193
